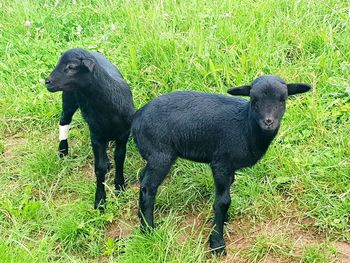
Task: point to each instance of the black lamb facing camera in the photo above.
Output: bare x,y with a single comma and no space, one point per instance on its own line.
229,133
94,85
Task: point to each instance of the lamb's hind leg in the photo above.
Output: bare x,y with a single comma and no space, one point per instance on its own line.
69,107
153,175
119,158
101,167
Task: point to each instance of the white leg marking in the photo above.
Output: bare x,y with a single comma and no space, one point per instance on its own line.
64,132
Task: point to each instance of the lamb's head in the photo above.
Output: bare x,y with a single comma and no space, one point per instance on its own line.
72,71
268,96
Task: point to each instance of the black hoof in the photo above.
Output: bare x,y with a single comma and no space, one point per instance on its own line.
119,188
100,205
100,208
63,148
227,218
219,251
217,246
146,230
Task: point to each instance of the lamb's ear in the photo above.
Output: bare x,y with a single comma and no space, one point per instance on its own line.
295,88
241,91
89,64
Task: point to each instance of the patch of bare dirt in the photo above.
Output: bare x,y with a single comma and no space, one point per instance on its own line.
124,224
191,224
88,170
11,144
135,185
11,148
343,249
120,229
242,233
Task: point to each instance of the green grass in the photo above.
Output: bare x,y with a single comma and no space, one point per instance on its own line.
269,245
46,203
318,253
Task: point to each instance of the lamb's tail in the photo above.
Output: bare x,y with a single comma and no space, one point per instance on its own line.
136,123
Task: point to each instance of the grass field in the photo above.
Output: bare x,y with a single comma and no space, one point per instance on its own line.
293,206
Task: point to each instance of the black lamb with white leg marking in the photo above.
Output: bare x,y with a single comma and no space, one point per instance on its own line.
93,84
229,133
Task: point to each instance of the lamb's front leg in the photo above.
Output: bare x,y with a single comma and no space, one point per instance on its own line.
69,107
232,181
101,168
223,177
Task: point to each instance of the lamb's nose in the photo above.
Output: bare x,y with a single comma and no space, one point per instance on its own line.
47,81
268,122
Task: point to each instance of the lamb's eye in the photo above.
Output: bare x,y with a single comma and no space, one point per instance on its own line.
70,66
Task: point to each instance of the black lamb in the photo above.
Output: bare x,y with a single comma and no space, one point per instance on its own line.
229,133
93,84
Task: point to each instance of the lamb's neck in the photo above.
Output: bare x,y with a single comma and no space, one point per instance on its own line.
259,141
100,89
103,81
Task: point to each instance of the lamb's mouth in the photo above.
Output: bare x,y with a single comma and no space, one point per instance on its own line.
52,88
